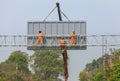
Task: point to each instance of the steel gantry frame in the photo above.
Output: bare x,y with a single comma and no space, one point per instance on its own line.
92,40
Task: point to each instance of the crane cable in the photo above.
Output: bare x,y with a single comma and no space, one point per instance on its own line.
49,13
52,12
65,16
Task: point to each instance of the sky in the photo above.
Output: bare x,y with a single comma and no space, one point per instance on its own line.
101,16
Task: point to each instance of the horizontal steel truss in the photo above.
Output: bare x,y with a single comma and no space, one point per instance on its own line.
92,40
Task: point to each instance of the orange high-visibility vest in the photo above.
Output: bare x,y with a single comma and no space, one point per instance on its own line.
72,41
40,38
62,41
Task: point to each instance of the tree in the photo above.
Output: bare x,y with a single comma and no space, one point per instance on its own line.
47,65
16,67
8,70
2,76
105,68
20,59
99,77
83,76
115,74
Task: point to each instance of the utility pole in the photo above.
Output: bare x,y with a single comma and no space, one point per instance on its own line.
65,56
59,13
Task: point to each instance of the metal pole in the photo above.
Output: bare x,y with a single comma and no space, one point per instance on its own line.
59,14
65,51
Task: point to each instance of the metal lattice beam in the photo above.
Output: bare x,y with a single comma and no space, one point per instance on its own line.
92,40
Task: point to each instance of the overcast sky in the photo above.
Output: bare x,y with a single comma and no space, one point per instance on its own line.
102,17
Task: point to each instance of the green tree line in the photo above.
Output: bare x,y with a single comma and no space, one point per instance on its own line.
46,65
105,68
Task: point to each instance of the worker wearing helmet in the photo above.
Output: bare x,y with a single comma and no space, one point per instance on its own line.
62,43
40,38
73,40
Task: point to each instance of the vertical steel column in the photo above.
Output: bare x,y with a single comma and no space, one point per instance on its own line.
59,14
51,28
5,40
45,27
63,29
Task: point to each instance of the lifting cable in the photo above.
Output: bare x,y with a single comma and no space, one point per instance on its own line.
49,13
65,16
52,12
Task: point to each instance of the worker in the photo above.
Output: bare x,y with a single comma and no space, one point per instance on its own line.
73,40
62,43
40,38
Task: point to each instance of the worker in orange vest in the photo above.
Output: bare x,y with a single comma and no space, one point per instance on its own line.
40,38
62,43
73,40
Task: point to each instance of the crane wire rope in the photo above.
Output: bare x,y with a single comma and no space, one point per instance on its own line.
53,11
65,16
49,14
